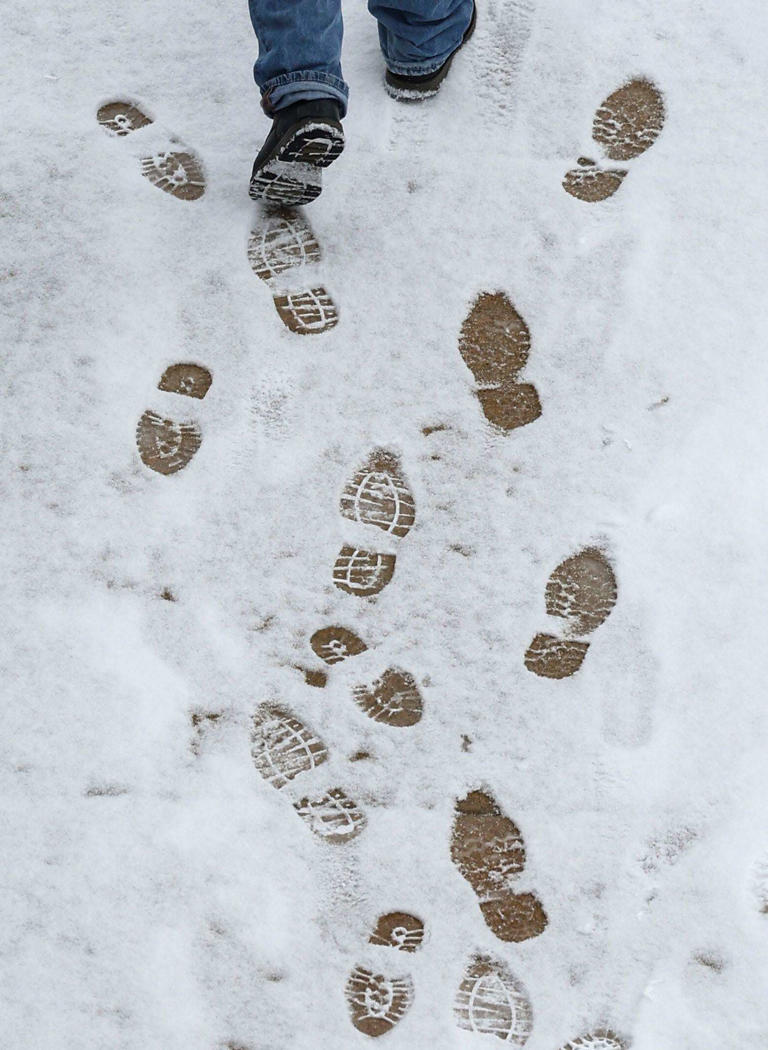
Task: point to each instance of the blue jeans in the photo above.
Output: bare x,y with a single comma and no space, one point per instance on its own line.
300,44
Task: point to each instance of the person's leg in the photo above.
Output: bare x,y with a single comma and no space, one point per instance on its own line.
299,52
299,73
418,36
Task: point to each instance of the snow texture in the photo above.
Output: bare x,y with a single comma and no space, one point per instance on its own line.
158,893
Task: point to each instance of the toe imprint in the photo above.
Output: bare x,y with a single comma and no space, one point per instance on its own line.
188,379
376,1002
284,241
282,747
629,120
333,817
393,699
398,930
379,495
486,846
165,445
334,644
495,341
121,117
582,589
362,573
492,1001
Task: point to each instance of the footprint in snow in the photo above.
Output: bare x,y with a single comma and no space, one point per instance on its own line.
601,1039
495,343
379,496
167,445
492,1001
489,851
626,124
378,1001
582,590
174,169
284,253
282,749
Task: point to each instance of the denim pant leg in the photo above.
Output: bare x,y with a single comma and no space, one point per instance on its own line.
417,36
299,51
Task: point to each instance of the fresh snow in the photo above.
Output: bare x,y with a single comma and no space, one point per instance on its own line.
158,894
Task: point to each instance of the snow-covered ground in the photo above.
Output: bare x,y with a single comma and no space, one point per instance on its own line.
158,893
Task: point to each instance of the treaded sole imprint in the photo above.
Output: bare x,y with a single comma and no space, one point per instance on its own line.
282,241
333,816
122,117
495,343
362,573
307,313
188,379
399,930
164,445
335,644
379,495
492,1001
282,747
393,699
179,174
377,1002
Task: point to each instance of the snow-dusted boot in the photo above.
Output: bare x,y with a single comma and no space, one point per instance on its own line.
414,89
305,138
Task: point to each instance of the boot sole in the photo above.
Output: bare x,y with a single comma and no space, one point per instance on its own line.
292,176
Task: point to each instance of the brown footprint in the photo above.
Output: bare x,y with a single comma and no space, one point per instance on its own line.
378,495
582,590
282,748
177,172
495,343
492,1001
377,1001
279,249
602,1039
167,445
626,124
488,849
393,699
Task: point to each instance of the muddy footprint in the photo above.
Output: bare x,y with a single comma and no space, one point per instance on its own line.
167,445
492,1001
488,849
626,124
495,343
393,699
172,167
377,495
284,253
581,590
282,749
378,1001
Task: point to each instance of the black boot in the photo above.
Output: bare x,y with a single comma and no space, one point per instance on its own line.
305,138
414,89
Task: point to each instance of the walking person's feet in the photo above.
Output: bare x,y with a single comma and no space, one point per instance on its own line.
415,88
305,138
